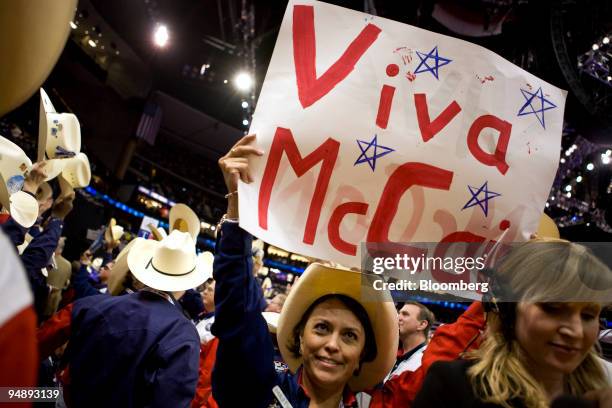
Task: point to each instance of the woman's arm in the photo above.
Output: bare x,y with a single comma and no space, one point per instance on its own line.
244,369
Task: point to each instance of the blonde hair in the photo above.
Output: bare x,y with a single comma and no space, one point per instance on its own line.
536,273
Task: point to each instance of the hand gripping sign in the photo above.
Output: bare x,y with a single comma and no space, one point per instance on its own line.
382,132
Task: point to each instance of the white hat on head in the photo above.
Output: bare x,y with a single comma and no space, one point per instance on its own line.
206,260
185,219
169,265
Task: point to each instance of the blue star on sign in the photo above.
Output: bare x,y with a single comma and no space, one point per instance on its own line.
377,151
424,66
528,108
483,203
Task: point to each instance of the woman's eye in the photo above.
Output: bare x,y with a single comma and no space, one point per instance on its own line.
588,316
351,335
321,327
550,307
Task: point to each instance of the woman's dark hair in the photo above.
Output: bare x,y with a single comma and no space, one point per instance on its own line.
369,349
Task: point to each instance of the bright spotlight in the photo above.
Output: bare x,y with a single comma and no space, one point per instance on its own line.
605,40
92,43
590,166
73,25
605,159
245,122
161,35
595,47
568,188
245,104
578,179
243,81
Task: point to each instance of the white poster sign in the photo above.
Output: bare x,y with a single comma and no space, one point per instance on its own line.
378,131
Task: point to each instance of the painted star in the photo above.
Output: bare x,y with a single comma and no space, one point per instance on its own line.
543,103
378,151
482,203
439,62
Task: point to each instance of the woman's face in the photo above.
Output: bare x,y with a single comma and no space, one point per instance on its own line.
331,345
557,336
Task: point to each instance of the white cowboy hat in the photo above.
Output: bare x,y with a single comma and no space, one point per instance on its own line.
119,270
74,170
158,233
271,320
319,280
14,165
113,232
206,260
185,219
32,36
59,134
170,265
23,208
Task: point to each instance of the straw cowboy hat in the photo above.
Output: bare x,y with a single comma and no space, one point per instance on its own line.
113,232
170,265
185,220
33,35
547,228
14,166
319,280
119,270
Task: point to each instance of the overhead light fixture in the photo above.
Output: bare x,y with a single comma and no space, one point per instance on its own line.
568,188
245,122
606,40
225,81
605,159
595,47
578,179
161,36
245,104
590,166
569,195
243,81
73,25
92,43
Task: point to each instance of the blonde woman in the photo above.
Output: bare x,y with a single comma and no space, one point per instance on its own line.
540,347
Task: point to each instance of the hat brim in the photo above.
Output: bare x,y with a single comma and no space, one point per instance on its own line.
319,280
45,107
23,209
139,263
192,222
119,270
271,320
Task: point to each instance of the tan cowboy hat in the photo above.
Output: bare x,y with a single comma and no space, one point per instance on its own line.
119,270
113,232
59,134
32,36
547,228
319,280
158,233
184,219
170,265
74,170
271,320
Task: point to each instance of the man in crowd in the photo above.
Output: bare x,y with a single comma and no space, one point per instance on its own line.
414,322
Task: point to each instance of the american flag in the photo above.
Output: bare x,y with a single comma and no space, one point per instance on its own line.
150,122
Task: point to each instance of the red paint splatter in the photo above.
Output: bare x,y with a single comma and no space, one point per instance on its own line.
399,49
485,79
504,225
489,78
392,70
411,77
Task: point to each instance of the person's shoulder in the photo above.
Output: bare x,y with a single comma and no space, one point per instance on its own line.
452,367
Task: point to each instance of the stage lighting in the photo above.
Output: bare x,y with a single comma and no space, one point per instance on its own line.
161,35
243,81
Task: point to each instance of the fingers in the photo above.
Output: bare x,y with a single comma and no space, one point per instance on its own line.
238,166
242,151
245,140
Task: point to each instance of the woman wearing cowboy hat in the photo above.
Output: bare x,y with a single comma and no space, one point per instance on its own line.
333,342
